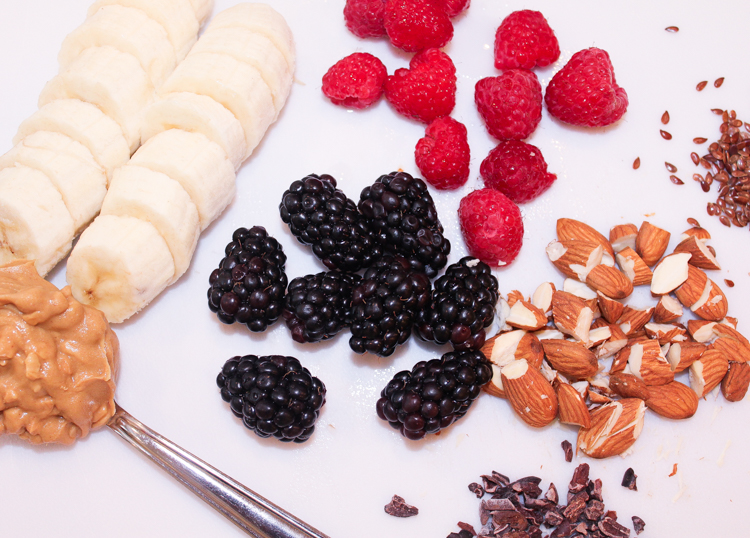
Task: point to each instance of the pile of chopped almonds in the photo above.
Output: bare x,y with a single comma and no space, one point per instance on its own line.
551,358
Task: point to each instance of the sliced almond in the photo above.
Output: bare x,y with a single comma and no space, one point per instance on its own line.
668,309
526,316
702,330
495,386
623,236
577,230
531,396
546,334
615,426
599,335
571,359
707,372
633,267
666,332
697,232
610,309
646,362
501,348
634,319
700,255
571,315
682,354
611,347
673,400
609,281
582,291
628,386
542,296
736,381
651,243
575,258
514,296
729,321
571,406
670,273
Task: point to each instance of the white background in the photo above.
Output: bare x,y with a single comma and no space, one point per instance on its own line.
341,479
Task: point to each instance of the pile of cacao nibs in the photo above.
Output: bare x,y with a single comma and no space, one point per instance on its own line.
519,510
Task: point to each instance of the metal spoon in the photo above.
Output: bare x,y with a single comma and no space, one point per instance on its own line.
255,515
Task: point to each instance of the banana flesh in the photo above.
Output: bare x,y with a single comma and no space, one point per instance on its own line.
70,167
119,265
196,114
128,30
84,123
34,222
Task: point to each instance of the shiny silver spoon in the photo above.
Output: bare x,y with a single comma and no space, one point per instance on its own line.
255,515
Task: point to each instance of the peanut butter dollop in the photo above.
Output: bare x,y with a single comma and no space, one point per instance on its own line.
58,360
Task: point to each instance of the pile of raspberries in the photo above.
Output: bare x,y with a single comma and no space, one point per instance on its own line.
583,93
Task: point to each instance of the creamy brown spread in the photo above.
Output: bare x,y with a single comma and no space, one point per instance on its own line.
58,360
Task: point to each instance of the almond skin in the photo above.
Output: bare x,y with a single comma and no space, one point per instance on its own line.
575,229
673,400
571,406
701,256
707,372
736,381
628,386
634,267
651,243
571,359
610,309
571,315
529,393
692,289
615,426
609,281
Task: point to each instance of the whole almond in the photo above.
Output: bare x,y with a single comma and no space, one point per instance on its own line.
571,406
571,359
736,381
673,400
531,396
615,426
609,281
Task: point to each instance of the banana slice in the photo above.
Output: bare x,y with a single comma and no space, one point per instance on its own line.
139,192
119,265
197,163
235,84
80,181
177,17
263,19
197,114
112,80
84,123
255,49
34,222
202,9
128,30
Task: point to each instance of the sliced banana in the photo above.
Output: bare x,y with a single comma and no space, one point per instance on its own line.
197,163
177,17
80,181
84,123
235,84
140,192
197,114
202,9
119,265
263,19
255,49
128,30
112,80
34,222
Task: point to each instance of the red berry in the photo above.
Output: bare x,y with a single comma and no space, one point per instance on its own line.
584,92
524,39
364,18
454,7
492,226
414,25
443,154
355,81
425,91
516,169
510,104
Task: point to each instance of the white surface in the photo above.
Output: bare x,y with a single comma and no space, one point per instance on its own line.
341,479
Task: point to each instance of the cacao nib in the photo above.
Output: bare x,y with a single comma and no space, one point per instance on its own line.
398,508
638,525
613,529
594,510
476,489
580,478
551,494
628,480
568,449
529,486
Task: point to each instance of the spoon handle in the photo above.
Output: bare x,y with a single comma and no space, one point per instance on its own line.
255,515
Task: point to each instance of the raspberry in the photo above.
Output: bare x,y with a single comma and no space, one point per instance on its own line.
510,104
584,92
414,25
425,91
355,81
443,154
516,169
524,39
492,226
364,18
454,7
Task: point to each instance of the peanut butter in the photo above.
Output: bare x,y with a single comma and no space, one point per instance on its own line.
58,360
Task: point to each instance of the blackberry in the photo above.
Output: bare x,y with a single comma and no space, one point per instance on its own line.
385,304
403,217
274,396
249,284
320,215
463,304
434,394
318,306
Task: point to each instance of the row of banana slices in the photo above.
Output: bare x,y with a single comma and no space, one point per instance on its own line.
134,78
